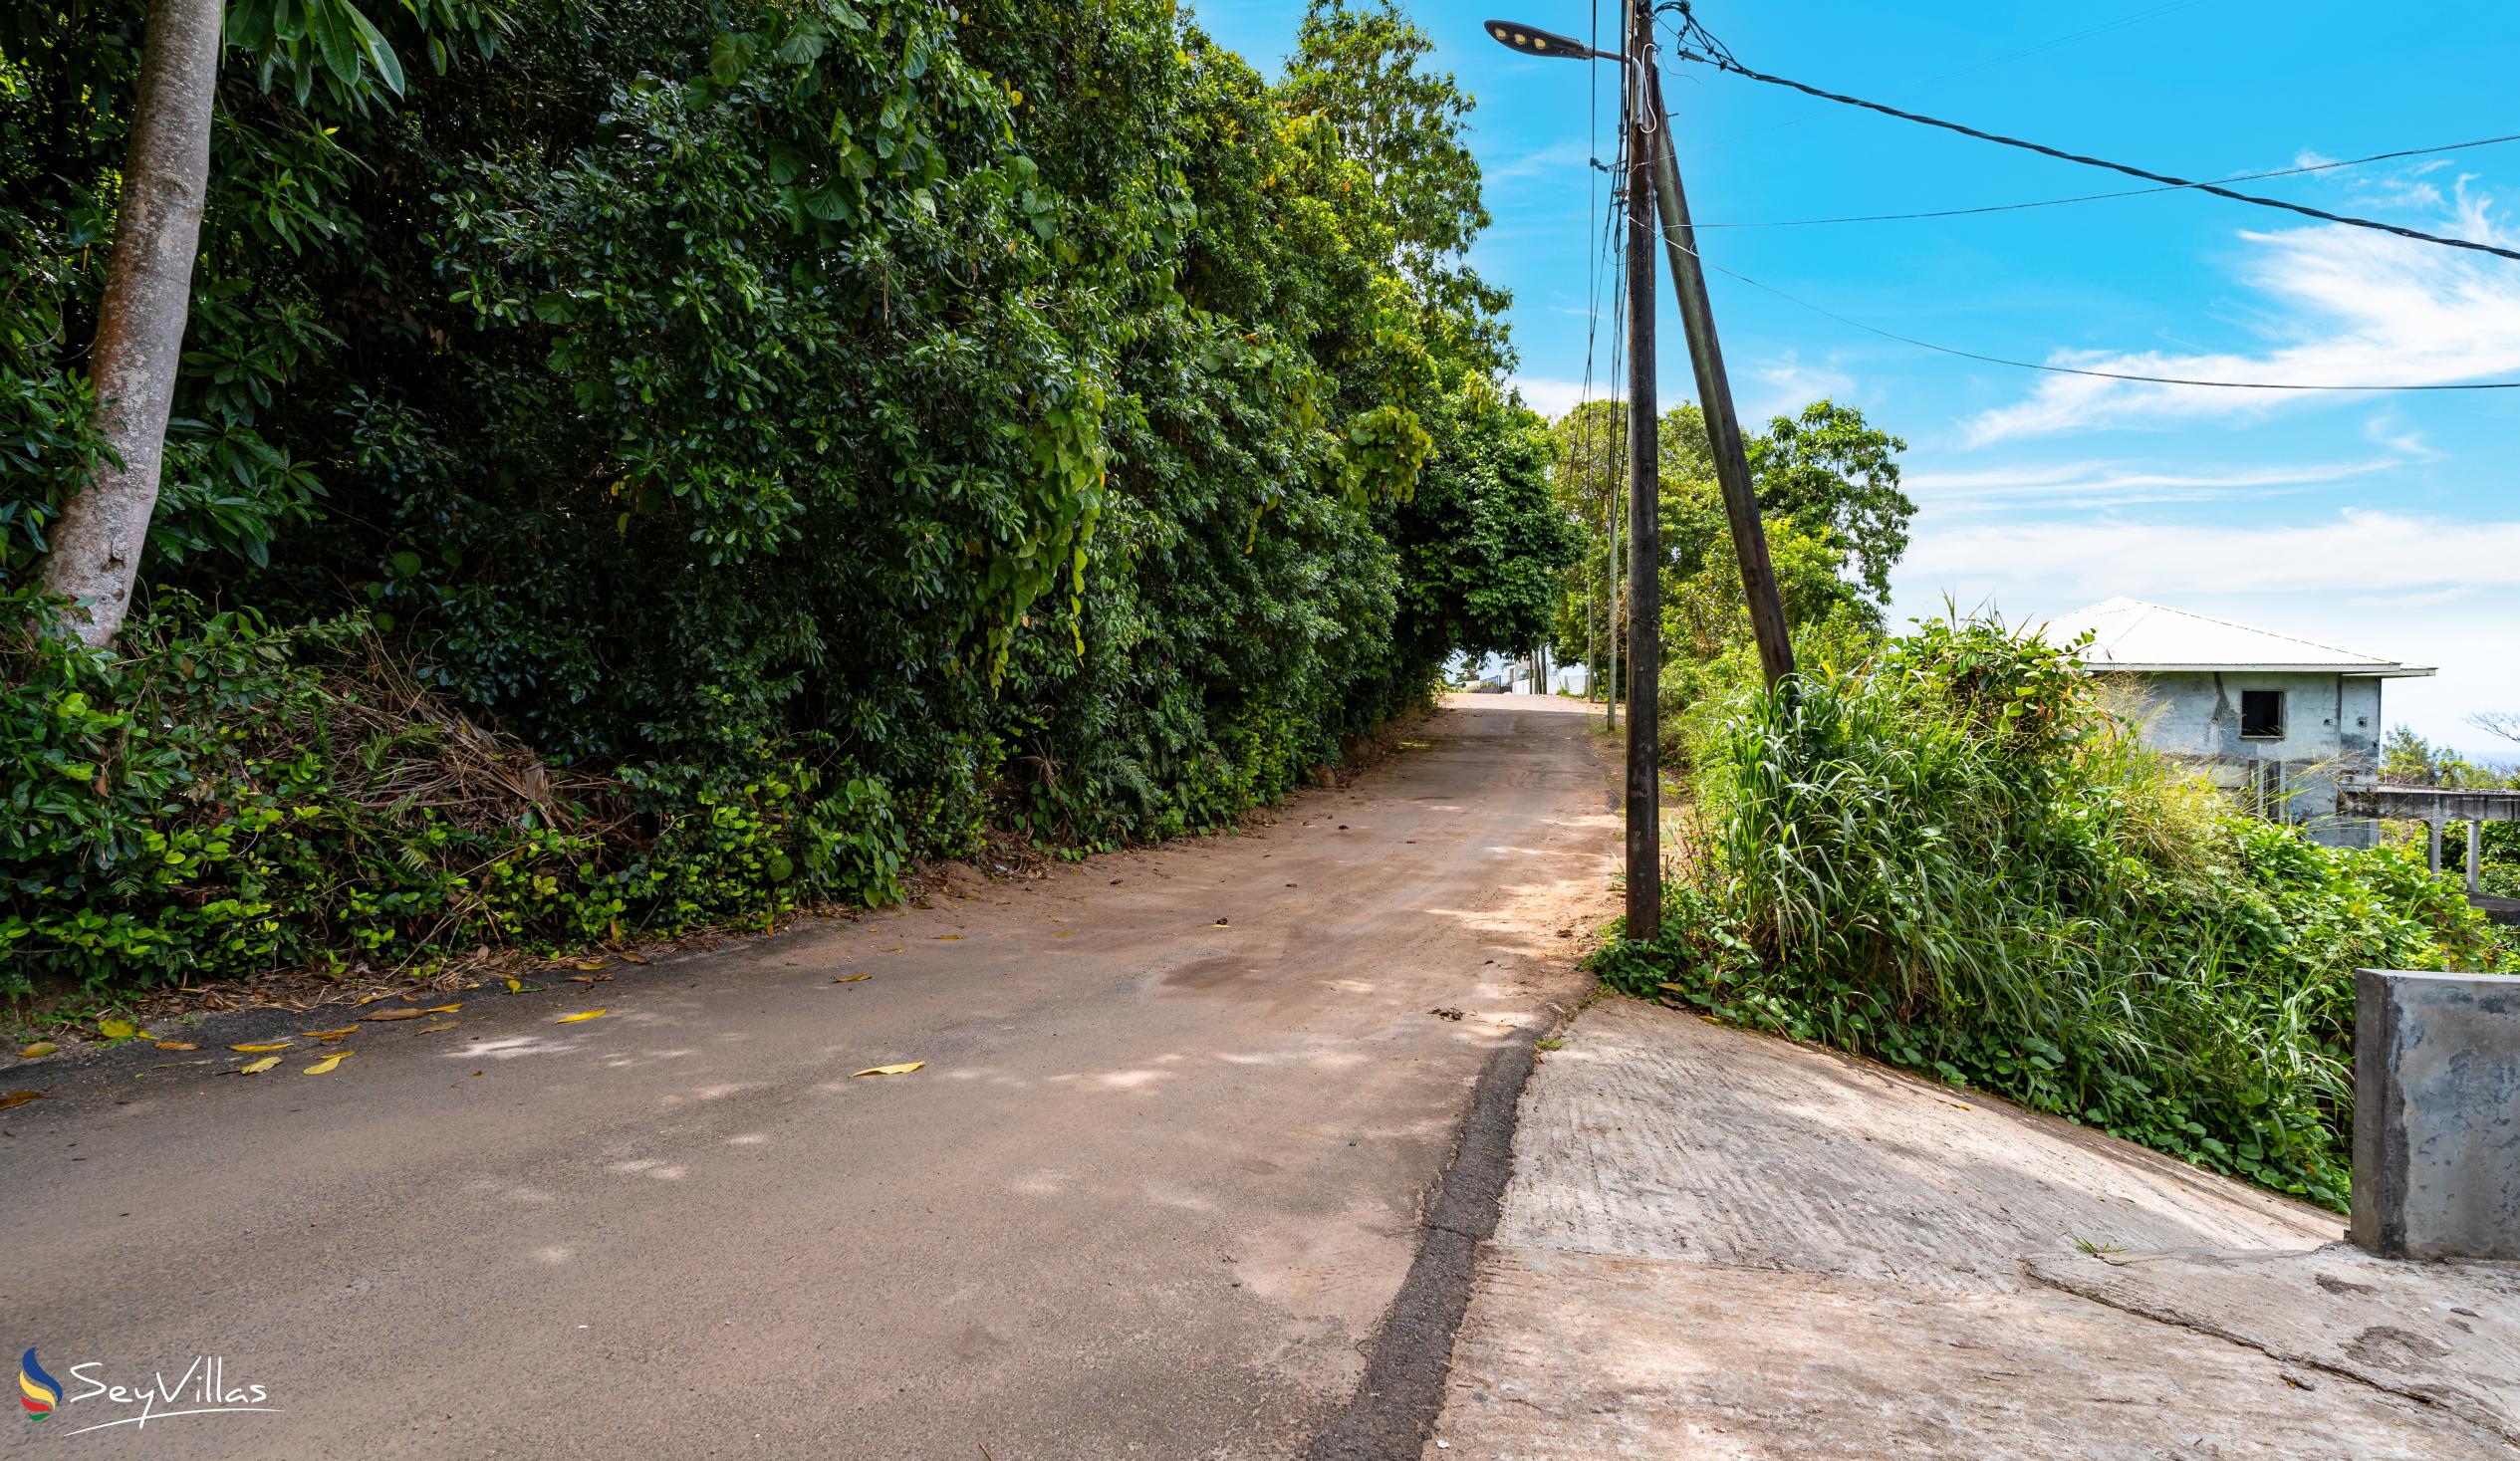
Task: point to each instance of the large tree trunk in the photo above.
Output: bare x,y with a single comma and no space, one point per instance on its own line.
95,547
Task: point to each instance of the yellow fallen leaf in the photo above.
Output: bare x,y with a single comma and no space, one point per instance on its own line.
581,1015
331,1034
20,1097
394,1015
516,986
373,998
39,1050
177,1045
590,978
887,1070
852,978
117,1029
325,1065
251,1048
1065,933
256,1068
952,935
896,948
443,1009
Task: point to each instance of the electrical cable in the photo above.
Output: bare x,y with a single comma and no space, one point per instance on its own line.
2132,192
1713,54
1971,354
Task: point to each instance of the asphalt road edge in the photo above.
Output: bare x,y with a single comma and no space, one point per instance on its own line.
1409,1356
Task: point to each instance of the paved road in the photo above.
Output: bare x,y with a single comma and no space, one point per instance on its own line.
1153,1188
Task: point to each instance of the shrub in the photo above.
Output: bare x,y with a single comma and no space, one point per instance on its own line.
1953,857
222,798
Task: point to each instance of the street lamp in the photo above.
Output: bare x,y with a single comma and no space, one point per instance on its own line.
1655,197
1531,40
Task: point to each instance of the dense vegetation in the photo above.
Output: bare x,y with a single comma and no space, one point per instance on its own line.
661,464
1949,855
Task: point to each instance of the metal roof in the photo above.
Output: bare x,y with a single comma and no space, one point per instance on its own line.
2130,634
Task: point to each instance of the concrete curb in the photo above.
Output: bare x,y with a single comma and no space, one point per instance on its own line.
1410,1354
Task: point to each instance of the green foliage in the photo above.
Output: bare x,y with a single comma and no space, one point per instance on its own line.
818,432
1950,857
221,797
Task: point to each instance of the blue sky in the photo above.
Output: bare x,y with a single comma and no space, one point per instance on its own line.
2388,523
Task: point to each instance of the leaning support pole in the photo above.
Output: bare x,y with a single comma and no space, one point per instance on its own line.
1644,516
1714,389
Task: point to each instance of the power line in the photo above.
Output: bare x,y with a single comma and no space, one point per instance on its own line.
2132,192
1971,354
1716,56
2032,50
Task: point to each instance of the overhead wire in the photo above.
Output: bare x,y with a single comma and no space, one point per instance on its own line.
2132,192
1709,51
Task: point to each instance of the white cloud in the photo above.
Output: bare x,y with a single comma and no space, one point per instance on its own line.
1791,385
1553,398
2107,484
2353,305
2356,551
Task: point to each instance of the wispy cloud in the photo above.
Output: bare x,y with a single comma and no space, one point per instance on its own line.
1791,382
2358,551
2088,485
2351,306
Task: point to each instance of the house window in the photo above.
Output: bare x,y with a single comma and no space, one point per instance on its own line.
2261,715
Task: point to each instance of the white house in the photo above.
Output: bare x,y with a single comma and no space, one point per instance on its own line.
2273,717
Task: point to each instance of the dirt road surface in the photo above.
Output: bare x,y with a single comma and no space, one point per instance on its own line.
1149,1195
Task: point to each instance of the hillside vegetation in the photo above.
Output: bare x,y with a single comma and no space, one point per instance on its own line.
644,465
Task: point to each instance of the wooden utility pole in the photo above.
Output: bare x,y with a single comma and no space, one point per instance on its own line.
1714,389
1644,516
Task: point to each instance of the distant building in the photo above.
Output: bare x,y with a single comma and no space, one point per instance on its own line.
2273,718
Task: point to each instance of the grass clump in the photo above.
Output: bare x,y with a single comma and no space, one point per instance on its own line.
1954,857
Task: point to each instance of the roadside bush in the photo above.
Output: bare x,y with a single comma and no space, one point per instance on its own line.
222,797
1953,857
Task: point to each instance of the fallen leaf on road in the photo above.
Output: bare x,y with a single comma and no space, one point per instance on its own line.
394,1015
1446,1014
177,1045
588,966
952,935
443,1009
325,1065
887,1070
369,999
39,1050
590,978
433,1028
256,1068
1065,933
851,978
516,986
117,1029
20,1097
331,1034
250,1048
898,948
581,1015
634,958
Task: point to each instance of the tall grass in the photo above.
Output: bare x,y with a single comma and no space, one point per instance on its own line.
1954,856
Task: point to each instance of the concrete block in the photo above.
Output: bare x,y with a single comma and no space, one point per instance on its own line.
2437,1114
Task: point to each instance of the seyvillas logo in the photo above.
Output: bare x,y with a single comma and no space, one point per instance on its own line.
203,1388
36,1391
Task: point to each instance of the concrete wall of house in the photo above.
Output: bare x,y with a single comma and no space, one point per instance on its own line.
2331,725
